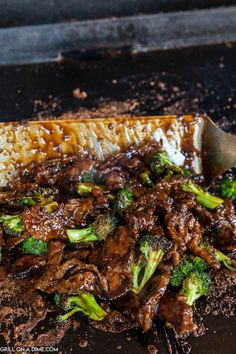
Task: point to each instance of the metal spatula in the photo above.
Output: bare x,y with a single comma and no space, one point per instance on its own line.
218,150
191,140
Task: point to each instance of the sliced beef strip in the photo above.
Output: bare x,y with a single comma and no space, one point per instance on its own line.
115,170
142,307
153,198
113,177
2,241
45,225
193,247
6,197
150,298
141,220
220,224
85,280
45,174
173,309
114,322
71,176
74,275
226,226
117,257
172,186
71,276
180,226
89,255
12,242
46,282
27,266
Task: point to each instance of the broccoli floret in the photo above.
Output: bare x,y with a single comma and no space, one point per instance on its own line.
103,226
152,253
33,246
186,266
195,285
219,256
39,196
57,299
205,199
161,163
88,176
85,303
146,179
26,202
86,188
12,224
123,200
228,188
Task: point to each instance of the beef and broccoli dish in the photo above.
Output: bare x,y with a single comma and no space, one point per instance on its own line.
120,241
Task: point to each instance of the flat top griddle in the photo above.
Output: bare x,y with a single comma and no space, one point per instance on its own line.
201,79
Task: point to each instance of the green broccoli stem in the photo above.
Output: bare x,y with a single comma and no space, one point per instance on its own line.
136,269
204,198
66,316
82,235
153,261
146,179
85,303
103,226
85,189
219,256
153,258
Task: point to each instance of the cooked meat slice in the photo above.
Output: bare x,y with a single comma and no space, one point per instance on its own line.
114,322
117,256
14,241
220,225
71,176
193,247
173,309
27,266
153,198
111,173
45,225
226,226
47,281
85,280
78,210
180,225
115,178
6,196
90,255
150,298
74,275
45,174
142,308
2,241
141,220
